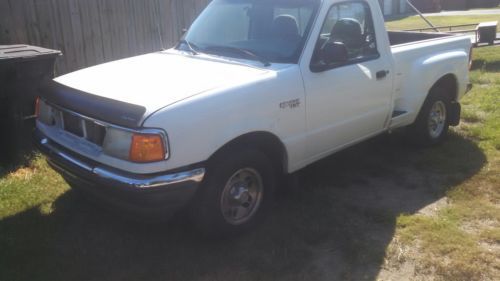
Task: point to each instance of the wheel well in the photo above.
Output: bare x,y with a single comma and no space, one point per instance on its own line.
266,142
449,84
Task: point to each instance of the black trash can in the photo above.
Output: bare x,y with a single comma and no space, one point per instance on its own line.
487,32
23,69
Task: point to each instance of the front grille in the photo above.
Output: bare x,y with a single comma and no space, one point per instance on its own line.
73,124
79,126
95,132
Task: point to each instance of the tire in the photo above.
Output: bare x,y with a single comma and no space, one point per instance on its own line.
433,121
235,194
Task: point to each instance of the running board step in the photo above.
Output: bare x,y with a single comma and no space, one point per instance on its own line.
397,113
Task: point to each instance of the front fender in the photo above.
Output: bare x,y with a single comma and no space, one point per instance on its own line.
199,126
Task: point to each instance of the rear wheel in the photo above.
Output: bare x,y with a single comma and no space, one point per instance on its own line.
433,122
236,193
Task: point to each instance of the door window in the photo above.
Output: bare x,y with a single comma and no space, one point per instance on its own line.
348,25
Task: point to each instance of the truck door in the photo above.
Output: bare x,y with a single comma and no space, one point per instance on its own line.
347,78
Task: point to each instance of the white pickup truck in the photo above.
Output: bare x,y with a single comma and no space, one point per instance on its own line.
255,90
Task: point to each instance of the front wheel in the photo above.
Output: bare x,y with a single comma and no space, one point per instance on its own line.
433,122
236,193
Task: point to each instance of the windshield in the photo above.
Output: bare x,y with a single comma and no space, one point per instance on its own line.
265,30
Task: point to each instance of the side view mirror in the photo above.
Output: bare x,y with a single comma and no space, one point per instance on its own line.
333,53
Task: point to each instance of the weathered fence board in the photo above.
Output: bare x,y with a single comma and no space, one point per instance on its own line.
90,32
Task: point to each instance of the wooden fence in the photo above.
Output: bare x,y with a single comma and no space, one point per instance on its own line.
89,32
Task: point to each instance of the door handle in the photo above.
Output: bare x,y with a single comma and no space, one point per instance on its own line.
382,74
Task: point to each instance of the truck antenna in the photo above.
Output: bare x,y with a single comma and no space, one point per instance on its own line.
421,15
161,39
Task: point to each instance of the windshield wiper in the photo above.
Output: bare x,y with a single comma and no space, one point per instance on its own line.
189,45
246,52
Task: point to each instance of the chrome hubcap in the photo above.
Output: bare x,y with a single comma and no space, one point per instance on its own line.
242,196
437,119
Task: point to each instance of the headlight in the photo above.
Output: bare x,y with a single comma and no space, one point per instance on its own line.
117,143
135,146
141,146
37,106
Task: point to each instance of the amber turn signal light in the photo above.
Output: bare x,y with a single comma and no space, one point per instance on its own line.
147,148
37,107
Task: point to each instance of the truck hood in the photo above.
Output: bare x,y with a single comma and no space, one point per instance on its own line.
136,87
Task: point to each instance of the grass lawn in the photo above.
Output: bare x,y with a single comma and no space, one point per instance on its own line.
382,210
461,240
413,22
487,8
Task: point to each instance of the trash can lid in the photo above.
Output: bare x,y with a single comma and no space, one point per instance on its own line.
23,52
488,24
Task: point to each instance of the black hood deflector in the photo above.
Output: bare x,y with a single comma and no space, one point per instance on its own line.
97,107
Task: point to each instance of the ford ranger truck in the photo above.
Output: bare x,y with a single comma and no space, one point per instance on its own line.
254,90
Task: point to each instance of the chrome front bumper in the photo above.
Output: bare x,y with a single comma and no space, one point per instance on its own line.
195,176
132,191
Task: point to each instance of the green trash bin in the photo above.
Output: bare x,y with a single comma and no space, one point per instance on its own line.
23,69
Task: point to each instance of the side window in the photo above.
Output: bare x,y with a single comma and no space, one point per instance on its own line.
347,36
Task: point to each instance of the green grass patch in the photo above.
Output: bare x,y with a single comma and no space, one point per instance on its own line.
487,61
446,250
491,235
449,242
413,22
35,185
441,233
